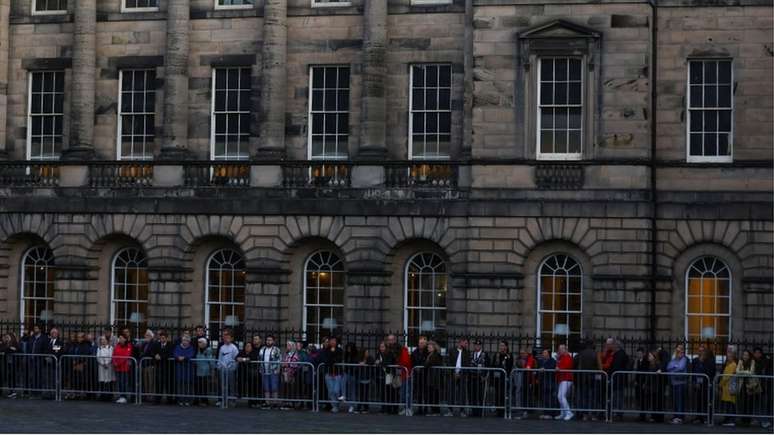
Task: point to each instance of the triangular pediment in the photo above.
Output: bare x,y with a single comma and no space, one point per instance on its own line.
560,29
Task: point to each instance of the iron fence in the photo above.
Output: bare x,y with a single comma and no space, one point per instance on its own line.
658,394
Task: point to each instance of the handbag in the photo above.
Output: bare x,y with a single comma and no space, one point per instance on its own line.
396,381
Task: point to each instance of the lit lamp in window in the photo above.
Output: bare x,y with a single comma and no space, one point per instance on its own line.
136,317
427,326
329,323
708,332
561,329
45,316
231,321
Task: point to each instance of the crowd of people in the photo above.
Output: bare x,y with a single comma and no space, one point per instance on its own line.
426,379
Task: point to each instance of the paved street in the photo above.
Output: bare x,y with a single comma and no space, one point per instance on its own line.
55,417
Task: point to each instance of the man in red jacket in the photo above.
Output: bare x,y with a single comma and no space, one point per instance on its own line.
564,379
404,360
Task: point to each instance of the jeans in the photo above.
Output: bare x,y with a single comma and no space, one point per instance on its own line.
564,388
405,392
678,400
333,384
122,380
228,383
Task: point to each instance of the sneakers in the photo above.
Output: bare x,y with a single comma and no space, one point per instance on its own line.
729,424
568,416
545,417
448,414
342,398
677,421
351,410
12,396
121,400
402,412
218,403
765,424
409,413
559,417
334,410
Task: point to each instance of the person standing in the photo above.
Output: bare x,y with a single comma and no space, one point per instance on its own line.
678,364
459,358
433,377
105,374
547,382
419,385
564,377
122,355
763,368
148,363
270,357
703,364
183,355
289,381
332,356
402,359
478,380
227,365
9,349
589,385
749,394
502,360
204,365
729,386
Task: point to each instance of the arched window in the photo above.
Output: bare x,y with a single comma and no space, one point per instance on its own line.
560,288
225,293
708,300
425,297
37,286
324,281
129,296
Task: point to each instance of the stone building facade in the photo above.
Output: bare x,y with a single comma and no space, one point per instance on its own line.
569,167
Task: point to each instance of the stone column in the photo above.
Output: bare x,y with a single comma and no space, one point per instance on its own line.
174,143
274,81
5,11
373,135
467,115
81,144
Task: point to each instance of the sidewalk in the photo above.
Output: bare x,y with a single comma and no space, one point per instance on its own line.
35,416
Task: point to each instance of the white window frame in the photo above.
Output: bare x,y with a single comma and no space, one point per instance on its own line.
728,316
126,9
49,302
34,10
219,6
317,4
28,151
113,299
411,112
306,305
707,159
311,111
119,120
234,270
560,156
430,2
540,311
434,308
213,124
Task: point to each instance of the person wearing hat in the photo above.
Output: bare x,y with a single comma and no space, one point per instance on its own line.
478,380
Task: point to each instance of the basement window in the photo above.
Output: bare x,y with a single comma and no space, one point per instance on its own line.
330,3
234,4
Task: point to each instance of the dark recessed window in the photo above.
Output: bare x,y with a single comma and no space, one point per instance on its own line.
231,113
710,110
45,115
329,112
560,108
430,114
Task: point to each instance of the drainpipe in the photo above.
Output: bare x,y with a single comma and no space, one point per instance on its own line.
653,190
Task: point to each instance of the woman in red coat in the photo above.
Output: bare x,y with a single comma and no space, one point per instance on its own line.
122,364
564,379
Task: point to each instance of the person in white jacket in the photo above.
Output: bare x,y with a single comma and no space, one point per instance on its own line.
105,373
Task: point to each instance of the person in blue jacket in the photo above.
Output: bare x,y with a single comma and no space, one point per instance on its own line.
184,370
678,364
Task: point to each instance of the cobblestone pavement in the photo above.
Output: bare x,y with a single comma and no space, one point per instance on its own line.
35,416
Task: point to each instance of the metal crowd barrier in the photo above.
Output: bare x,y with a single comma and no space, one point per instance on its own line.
278,384
536,390
362,387
473,391
190,381
30,375
92,377
659,394
743,397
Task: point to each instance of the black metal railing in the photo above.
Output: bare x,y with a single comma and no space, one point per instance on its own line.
25,174
216,174
121,174
370,339
317,174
